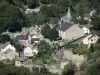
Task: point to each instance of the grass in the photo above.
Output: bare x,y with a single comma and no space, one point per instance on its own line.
71,46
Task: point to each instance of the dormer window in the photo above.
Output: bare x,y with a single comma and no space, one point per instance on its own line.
92,40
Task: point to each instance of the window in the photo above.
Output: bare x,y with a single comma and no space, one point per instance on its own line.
92,40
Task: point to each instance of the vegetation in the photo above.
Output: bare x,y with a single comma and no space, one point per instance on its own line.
17,45
12,70
49,33
95,21
80,50
69,69
45,51
12,21
71,46
4,38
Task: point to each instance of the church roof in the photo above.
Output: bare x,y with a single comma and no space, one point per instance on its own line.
65,26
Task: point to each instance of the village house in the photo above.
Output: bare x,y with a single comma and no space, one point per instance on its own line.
70,31
87,15
66,56
30,51
7,51
23,39
86,28
24,62
90,39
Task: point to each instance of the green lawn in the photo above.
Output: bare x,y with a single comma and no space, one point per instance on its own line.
71,46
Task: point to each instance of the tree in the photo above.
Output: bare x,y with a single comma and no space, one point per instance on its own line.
17,45
45,30
63,4
93,68
12,70
94,4
53,34
91,49
4,38
95,20
12,21
81,11
31,18
48,1
80,50
69,69
45,51
32,3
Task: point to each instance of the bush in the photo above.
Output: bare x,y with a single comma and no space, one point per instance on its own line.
80,50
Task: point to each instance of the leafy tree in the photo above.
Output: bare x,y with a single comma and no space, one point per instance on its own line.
48,1
4,38
80,50
53,34
12,70
12,21
94,4
81,11
95,20
40,19
17,45
63,4
45,51
93,67
32,3
69,69
45,30
31,18
51,11
91,48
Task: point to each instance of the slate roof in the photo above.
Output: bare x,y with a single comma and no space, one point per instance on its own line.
8,50
87,26
2,46
22,59
63,55
86,14
22,37
65,26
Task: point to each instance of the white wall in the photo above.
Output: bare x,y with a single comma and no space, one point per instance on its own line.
28,52
86,30
93,40
63,35
73,32
7,47
17,63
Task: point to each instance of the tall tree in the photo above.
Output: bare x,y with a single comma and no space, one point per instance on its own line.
81,11
11,18
95,20
69,69
45,30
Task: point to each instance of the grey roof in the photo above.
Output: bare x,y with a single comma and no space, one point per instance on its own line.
63,55
2,46
22,37
22,59
65,26
59,55
87,26
86,14
7,51
65,60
